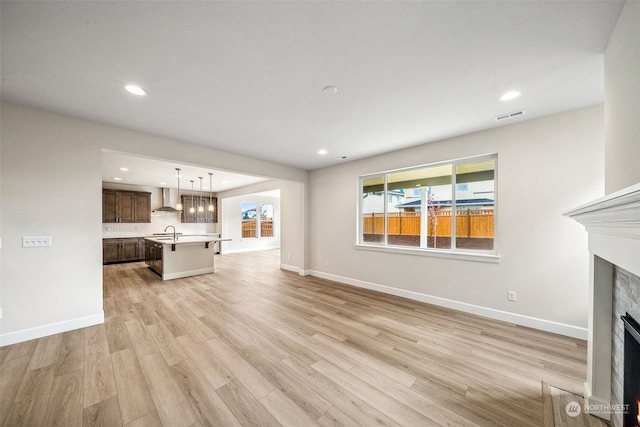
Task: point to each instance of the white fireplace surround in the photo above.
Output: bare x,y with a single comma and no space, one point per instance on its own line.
613,226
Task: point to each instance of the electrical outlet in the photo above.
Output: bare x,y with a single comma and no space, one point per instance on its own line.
326,263
36,241
511,296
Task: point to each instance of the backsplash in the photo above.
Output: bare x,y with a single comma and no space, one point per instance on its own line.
159,221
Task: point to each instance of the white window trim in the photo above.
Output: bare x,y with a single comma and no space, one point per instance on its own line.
489,257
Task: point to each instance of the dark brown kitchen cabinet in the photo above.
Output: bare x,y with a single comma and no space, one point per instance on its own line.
142,207
122,250
206,216
109,206
141,248
126,206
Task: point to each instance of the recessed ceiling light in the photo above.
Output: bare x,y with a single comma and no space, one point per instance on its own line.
124,169
136,90
330,90
117,178
510,95
163,183
322,152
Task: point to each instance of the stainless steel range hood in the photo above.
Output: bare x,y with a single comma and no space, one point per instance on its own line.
166,202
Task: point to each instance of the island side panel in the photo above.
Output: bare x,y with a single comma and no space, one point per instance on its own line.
188,259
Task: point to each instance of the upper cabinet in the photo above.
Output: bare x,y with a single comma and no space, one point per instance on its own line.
206,216
143,207
126,206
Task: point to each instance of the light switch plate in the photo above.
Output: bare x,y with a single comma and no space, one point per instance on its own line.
36,241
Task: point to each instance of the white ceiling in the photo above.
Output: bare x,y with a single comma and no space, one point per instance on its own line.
158,173
247,77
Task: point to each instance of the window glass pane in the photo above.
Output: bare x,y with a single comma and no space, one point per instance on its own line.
373,201
248,220
414,218
266,220
429,176
438,215
475,200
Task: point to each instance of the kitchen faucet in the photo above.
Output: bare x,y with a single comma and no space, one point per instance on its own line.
174,231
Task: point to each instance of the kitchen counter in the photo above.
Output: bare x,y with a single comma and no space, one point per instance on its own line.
183,257
120,235
184,240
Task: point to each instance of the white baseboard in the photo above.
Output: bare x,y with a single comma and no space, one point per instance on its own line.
505,316
296,269
51,329
287,267
254,249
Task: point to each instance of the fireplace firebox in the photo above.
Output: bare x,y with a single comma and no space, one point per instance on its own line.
631,371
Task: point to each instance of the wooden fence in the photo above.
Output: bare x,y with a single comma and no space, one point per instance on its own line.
249,229
469,223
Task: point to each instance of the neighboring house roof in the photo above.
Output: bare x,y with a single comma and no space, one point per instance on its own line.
465,202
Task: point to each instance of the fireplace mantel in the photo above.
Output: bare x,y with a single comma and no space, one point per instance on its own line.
616,214
613,226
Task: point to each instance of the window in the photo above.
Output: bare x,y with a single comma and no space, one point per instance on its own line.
446,207
249,220
256,226
266,220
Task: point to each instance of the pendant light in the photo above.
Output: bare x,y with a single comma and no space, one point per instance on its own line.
192,209
179,204
200,205
210,209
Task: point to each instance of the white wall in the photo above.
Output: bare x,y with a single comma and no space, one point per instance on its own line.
232,224
545,167
51,185
622,100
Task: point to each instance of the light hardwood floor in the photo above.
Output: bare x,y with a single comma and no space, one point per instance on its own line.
253,345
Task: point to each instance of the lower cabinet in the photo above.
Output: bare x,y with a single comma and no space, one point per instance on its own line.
122,250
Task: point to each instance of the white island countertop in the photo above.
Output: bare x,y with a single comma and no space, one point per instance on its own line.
184,240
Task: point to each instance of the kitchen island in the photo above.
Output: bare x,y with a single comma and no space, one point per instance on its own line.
182,256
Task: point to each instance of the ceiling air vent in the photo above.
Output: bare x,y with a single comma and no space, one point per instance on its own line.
510,115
